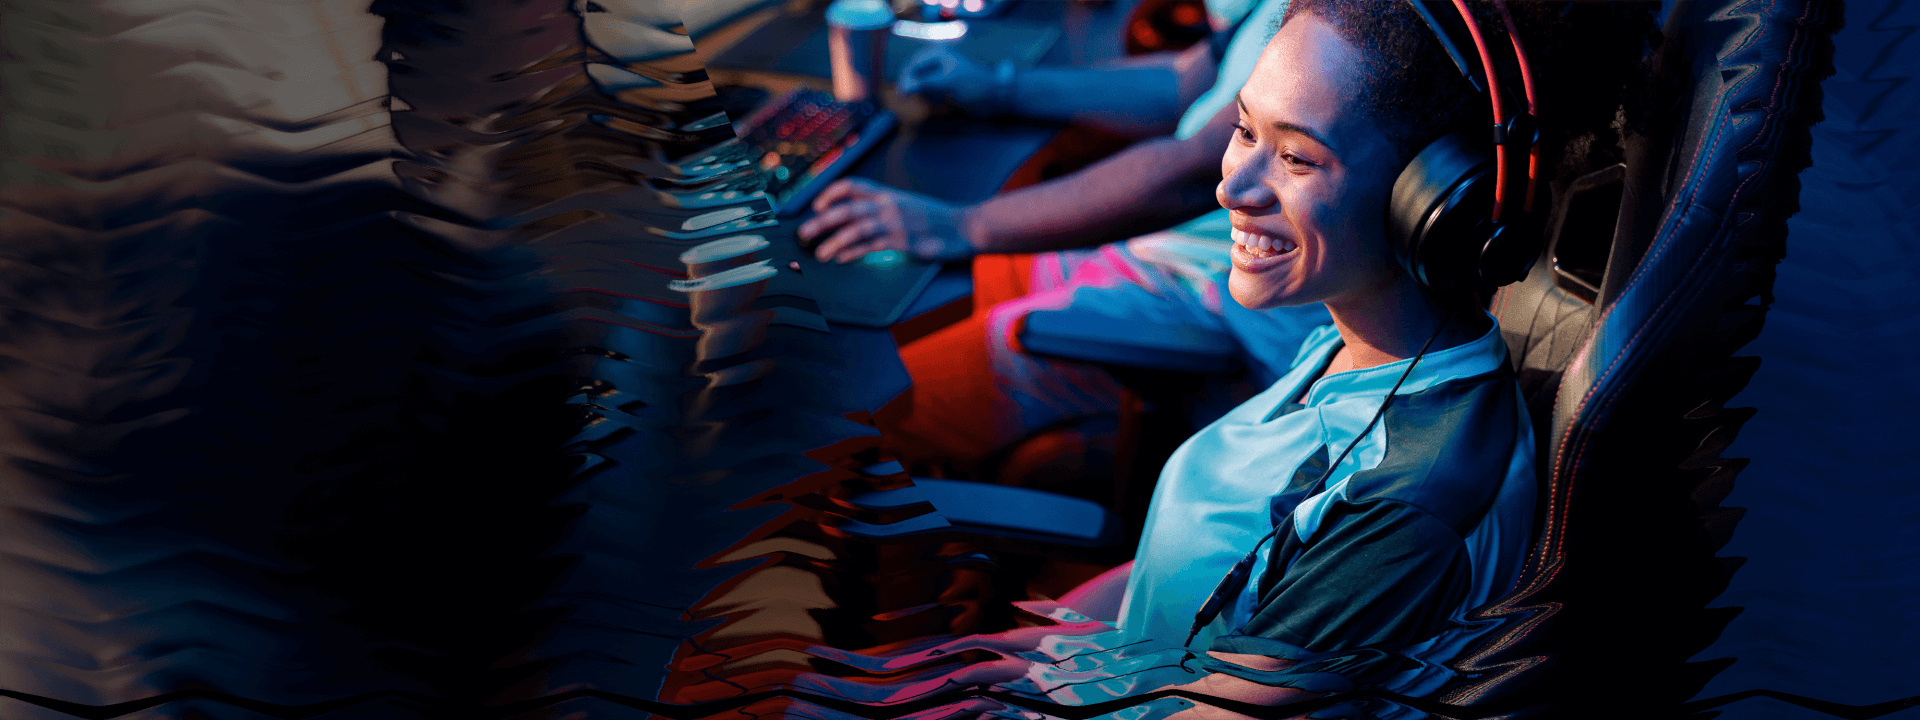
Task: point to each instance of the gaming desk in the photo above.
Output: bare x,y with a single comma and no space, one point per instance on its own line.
957,159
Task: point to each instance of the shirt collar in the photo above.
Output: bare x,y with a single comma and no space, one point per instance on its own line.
1481,356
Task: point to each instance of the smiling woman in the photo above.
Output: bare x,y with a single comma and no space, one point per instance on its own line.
1365,505
1306,179
1392,467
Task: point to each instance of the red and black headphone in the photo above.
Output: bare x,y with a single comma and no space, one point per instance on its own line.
1460,219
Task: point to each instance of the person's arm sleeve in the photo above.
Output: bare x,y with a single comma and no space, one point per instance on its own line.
1381,576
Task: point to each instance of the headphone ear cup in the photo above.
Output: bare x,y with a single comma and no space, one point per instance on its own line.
1509,254
1438,215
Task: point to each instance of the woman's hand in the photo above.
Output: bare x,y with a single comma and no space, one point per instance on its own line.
857,217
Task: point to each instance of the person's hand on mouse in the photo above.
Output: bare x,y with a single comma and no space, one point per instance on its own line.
941,74
856,217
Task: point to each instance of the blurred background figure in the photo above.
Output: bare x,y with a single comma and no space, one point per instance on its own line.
1134,236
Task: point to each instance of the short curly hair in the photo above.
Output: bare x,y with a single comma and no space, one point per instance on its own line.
1589,62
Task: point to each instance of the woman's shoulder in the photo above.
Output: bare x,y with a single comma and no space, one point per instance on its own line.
1451,448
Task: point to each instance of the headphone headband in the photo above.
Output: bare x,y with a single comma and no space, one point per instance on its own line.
1454,228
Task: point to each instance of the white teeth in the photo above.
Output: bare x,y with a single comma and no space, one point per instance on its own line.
1262,243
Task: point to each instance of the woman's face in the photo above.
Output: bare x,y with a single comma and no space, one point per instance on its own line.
1306,177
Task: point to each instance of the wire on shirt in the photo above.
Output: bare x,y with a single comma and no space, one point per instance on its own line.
1236,578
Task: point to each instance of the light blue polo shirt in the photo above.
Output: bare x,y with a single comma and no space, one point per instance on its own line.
1227,485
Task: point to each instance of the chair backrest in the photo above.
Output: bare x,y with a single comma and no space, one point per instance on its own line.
1624,343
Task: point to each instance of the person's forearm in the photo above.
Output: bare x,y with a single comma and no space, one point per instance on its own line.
1141,98
1139,101
1149,186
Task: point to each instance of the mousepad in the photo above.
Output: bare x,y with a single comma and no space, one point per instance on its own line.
872,292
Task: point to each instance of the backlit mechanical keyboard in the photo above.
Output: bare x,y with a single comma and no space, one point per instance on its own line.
792,148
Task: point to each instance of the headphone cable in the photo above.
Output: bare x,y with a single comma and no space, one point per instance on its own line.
1236,579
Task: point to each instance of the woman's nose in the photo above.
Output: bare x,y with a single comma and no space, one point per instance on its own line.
1243,187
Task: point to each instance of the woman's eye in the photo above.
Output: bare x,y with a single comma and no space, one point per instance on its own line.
1294,160
1242,131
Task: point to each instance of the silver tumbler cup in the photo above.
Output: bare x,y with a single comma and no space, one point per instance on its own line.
857,47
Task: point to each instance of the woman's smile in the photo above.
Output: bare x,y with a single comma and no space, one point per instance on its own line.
1306,178
1256,252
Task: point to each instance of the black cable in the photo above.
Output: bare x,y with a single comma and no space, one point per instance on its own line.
1446,43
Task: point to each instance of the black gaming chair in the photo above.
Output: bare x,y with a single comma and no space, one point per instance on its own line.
1624,336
